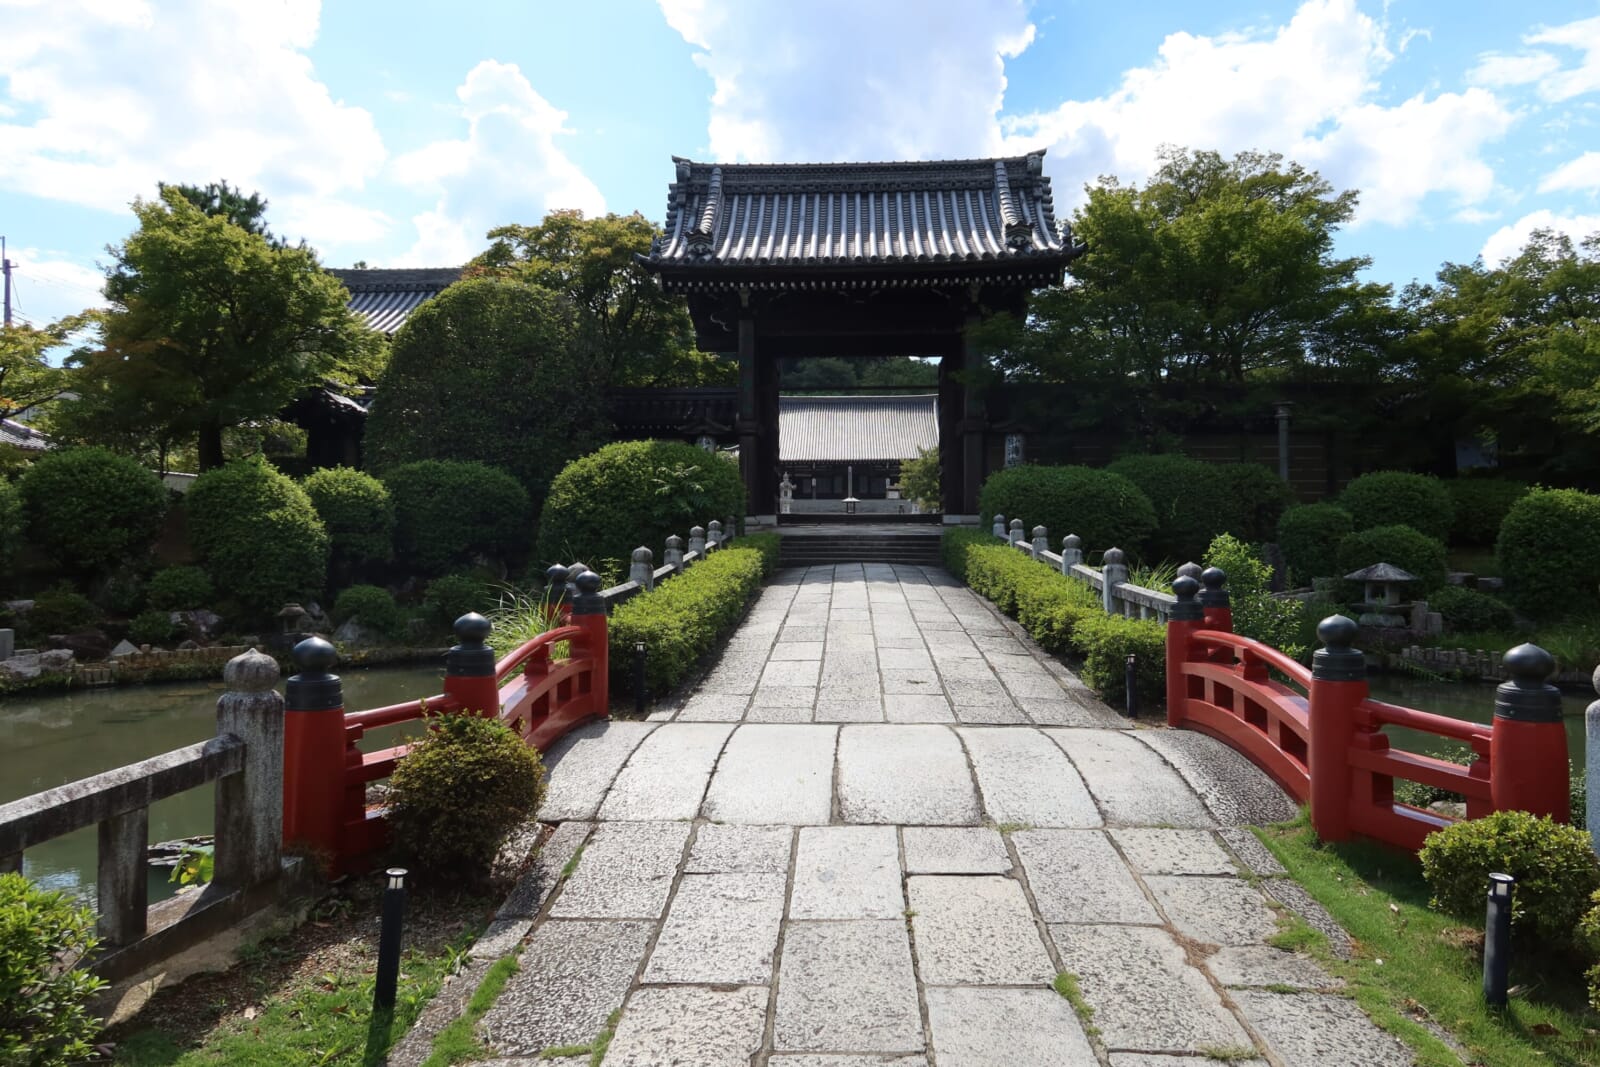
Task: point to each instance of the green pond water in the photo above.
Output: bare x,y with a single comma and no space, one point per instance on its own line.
1472,701
51,739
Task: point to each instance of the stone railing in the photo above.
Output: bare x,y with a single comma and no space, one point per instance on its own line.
644,575
244,759
1110,580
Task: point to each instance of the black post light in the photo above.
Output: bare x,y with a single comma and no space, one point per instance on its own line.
1497,940
638,678
394,914
1130,669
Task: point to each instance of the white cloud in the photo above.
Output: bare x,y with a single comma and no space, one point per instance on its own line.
1544,68
508,168
104,98
1581,174
845,80
1508,240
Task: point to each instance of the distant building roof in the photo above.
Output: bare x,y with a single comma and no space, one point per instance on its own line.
28,439
387,297
855,429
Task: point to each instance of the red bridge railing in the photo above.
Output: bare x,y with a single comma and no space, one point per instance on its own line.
326,807
1319,734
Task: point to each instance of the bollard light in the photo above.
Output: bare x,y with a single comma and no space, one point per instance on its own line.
1130,669
1497,940
394,913
638,678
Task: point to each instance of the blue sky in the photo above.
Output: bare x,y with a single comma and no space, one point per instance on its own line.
399,132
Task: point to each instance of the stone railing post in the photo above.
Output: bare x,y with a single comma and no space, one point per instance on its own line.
1015,536
1214,599
1591,733
1114,572
469,668
1190,570
1528,768
573,571
714,533
643,571
313,750
1071,552
1338,684
697,539
999,527
673,556
1041,542
730,528
249,813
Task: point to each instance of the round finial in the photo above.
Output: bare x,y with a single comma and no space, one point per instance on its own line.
1040,531
1213,578
1190,570
715,524
1185,587
588,583
555,575
314,655
675,542
251,672
1595,680
1072,541
1529,666
999,519
642,555
1114,557
1337,633
1016,524
696,532
473,629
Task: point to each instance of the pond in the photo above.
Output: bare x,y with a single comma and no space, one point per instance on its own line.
1472,701
50,739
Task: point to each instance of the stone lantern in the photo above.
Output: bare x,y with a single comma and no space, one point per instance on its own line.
1383,593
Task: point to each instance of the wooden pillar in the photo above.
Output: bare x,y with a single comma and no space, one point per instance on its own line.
765,500
973,426
949,441
749,421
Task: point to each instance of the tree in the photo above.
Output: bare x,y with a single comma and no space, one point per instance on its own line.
213,326
919,478
221,200
26,377
633,331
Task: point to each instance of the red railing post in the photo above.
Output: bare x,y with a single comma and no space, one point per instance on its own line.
1187,617
589,613
1338,684
1528,768
469,668
314,750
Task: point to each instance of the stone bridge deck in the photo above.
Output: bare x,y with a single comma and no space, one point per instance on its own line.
875,833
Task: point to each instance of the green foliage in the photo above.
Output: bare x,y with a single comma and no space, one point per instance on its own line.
11,523
1467,610
519,616
459,791
372,606
1106,642
197,865
153,627
1419,794
179,589
633,493
356,510
1417,553
1399,498
1103,508
27,377
1256,614
919,479
449,511
257,534
490,370
1259,497
90,508
44,997
1549,551
1309,535
1481,505
1192,501
61,610
1554,865
684,617
956,546
453,595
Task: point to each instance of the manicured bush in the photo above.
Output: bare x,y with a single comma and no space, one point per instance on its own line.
356,510
60,610
90,508
1105,509
1469,611
459,791
1192,502
956,545
1399,498
10,524
454,595
257,535
684,617
449,511
180,589
44,997
1259,498
152,627
1402,546
1106,642
371,606
1554,865
1256,614
1309,535
1549,551
1589,941
1481,505
604,505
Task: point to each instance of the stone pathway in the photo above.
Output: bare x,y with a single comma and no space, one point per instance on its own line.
876,833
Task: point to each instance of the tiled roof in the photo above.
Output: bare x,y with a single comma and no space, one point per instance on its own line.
386,297
851,429
18,435
934,217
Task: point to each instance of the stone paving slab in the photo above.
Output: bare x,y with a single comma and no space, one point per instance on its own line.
774,774
975,931
582,765
666,776
1133,785
1145,1059
535,886
809,1059
1233,788
723,928
626,872
720,849
1263,965
690,1025
954,850
1026,779
1077,877
904,775
713,707
870,1005
836,707
1006,1028
1214,911
917,707
1155,850
1320,1030
847,872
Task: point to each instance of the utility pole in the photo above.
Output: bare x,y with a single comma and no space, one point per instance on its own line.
5,268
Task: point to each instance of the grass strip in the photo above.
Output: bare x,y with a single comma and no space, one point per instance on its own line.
457,1043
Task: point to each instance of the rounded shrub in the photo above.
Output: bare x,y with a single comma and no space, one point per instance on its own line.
152,628
1554,865
10,524
460,790
1309,535
1259,498
1469,611
60,610
1549,551
1481,506
257,534
44,997
180,589
604,505
1191,499
90,508
371,606
357,512
1400,498
454,595
1105,509
449,511
1421,555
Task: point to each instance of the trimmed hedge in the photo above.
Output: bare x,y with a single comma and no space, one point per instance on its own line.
685,616
1259,498
1105,509
371,606
1192,502
454,595
1400,498
448,511
1402,546
90,508
358,512
10,524
256,534
1309,535
1549,551
1106,642
179,589
1469,611
604,505
1481,506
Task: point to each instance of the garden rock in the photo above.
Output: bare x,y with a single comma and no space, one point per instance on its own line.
21,668
188,646
124,648
201,623
89,646
352,632
56,659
